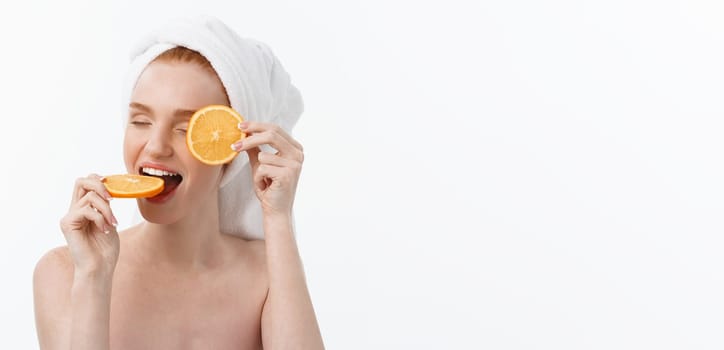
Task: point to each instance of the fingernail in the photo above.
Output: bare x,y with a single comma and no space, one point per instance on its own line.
114,222
106,230
236,146
243,125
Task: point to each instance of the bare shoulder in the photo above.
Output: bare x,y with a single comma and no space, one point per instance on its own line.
54,269
52,281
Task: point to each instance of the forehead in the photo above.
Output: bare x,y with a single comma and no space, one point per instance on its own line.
173,85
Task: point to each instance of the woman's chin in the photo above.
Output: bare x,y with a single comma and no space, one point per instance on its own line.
156,215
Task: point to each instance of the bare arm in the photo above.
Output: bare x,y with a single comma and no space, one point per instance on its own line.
72,310
288,319
72,286
91,309
52,282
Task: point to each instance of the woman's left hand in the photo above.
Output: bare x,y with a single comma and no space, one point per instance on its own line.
275,175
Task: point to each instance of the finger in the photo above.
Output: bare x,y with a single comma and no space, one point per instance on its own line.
99,204
253,154
260,180
276,160
285,148
256,127
266,174
96,218
91,183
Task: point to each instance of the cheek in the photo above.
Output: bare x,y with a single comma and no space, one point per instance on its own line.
207,178
132,145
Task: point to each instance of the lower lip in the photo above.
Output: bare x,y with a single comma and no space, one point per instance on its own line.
162,198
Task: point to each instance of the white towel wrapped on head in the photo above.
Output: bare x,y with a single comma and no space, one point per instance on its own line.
258,88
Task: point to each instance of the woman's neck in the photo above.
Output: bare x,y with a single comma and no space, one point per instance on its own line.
192,243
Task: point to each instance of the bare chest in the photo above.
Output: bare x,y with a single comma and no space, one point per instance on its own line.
156,311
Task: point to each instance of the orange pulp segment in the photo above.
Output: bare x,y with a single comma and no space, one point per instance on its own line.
211,132
133,186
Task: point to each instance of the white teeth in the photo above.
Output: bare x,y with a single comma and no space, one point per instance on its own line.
157,172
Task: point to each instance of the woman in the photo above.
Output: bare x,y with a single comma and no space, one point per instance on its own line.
177,280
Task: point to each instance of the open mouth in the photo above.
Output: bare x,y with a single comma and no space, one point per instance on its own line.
171,180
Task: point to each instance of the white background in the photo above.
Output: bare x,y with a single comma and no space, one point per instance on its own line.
479,175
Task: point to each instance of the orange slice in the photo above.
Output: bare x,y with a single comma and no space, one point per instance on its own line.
211,132
133,186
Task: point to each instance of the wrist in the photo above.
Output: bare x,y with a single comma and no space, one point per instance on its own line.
275,223
277,218
94,275
90,289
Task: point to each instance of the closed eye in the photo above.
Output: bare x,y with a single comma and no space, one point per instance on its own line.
182,127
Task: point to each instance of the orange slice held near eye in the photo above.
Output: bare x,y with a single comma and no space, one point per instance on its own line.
133,186
211,132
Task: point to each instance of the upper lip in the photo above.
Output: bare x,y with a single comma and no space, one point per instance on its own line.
157,166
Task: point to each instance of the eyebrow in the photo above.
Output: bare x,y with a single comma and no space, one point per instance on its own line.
179,113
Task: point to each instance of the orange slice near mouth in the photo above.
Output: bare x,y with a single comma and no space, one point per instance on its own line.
133,186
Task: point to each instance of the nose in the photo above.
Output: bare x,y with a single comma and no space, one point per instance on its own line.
159,144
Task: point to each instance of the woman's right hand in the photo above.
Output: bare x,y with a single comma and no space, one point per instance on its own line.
89,228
